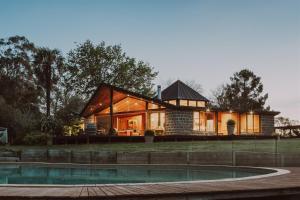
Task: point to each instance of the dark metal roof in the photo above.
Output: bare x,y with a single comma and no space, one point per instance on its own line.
179,90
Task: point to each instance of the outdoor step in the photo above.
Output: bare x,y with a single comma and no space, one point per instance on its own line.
9,159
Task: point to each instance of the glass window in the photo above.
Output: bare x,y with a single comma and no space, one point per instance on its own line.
196,124
173,102
157,121
223,118
152,106
250,123
201,104
210,122
202,121
256,124
193,103
183,103
243,123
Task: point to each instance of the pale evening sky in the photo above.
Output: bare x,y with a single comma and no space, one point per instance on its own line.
202,40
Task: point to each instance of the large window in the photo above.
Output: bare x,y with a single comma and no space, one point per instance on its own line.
173,102
196,121
201,104
157,121
183,102
192,103
204,121
223,117
250,123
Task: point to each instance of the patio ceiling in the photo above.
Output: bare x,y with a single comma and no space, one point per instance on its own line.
123,101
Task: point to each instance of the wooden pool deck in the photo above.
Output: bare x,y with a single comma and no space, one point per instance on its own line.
285,186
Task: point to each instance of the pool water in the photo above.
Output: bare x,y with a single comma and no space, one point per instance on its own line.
95,174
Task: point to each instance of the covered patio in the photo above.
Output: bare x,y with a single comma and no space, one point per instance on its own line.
114,110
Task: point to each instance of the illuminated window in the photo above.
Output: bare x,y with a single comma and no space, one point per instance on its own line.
222,122
250,123
173,102
201,104
204,122
183,103
193,103
196,124
152,106
256,124
210,122
157,121
243,123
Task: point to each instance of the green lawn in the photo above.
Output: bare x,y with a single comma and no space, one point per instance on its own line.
286,145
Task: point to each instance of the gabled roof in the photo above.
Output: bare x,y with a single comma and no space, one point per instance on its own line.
105,95
179,90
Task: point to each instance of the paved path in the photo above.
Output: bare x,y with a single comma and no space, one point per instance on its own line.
276,186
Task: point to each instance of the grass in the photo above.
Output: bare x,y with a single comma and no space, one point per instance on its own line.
281,146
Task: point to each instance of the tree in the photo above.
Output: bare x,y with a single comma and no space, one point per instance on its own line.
285,121
16,56
19,95
68,114
48,70
244,93
89,65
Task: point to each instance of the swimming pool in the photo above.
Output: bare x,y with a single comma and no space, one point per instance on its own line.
65,174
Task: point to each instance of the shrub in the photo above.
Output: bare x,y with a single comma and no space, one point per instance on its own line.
35,138
230,122
149,132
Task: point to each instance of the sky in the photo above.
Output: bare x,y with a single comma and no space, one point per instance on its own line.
201,40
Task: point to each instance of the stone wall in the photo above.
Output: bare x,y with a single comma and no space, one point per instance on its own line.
267,124
179,122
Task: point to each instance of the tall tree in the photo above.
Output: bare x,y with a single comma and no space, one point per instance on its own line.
16,71
49,67
90,64
244,93
16,56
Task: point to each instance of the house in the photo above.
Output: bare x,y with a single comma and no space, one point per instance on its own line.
178,109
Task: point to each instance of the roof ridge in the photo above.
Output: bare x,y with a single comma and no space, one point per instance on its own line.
180,90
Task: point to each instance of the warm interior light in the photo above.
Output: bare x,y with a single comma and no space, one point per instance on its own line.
251,112
230,111
207,110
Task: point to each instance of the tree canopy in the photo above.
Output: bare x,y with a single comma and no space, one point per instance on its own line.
243,93
91,64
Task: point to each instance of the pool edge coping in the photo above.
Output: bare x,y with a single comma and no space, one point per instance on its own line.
277,172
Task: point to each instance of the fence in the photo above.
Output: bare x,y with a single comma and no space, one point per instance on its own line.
200,158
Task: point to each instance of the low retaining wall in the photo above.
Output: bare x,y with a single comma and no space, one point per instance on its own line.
97,139
199,158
